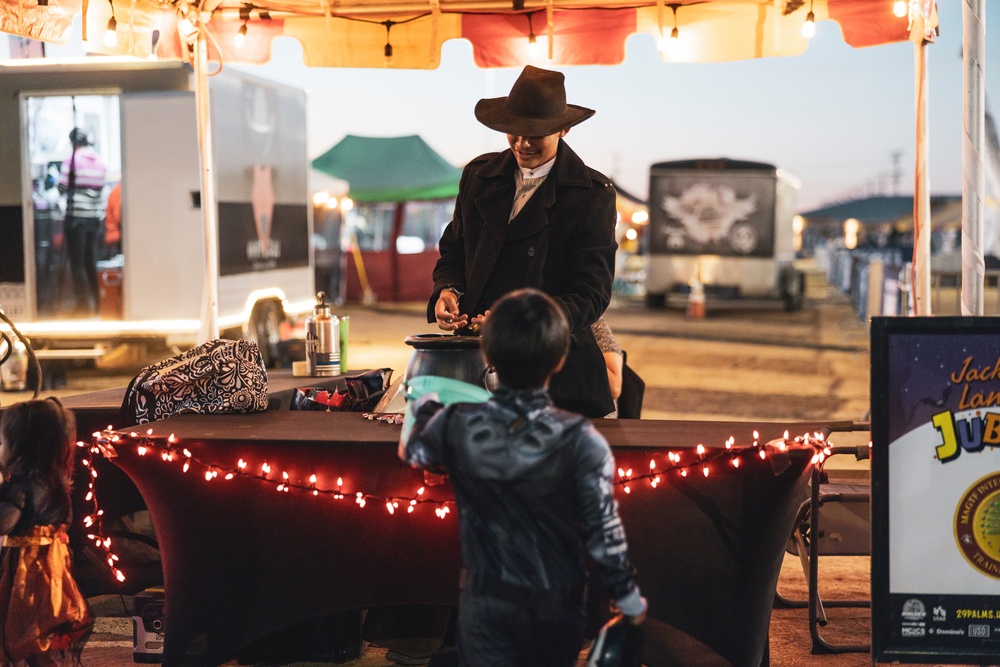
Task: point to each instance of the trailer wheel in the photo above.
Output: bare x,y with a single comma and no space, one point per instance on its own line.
656,300
794,291
264,328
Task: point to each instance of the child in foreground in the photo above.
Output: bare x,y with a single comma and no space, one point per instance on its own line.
533,486
41,608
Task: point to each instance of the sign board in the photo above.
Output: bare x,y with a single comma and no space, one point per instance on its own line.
729,212
935,397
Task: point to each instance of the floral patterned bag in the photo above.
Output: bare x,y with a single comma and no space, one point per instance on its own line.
220,376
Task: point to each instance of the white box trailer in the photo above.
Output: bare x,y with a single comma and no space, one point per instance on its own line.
726,224
141,119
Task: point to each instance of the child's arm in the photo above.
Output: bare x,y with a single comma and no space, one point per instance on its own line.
602,527
425,445
10,510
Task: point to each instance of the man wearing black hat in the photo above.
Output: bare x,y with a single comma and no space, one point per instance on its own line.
533,216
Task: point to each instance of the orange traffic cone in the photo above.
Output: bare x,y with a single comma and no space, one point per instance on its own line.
696,301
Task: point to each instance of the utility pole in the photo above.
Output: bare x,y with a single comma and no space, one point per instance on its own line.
897,170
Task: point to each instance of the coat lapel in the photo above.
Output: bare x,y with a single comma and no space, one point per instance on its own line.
568,171
535,215
494,206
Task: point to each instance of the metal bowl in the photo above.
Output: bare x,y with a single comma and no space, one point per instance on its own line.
446,355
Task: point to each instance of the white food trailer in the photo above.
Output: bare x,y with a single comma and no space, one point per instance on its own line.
725,224
141,118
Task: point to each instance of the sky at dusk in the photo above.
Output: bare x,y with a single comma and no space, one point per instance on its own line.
832,117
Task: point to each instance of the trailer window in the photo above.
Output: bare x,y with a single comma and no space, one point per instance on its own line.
74,217
423,223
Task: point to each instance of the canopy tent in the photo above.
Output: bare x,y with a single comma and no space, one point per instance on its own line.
409,33
511,33
874,210
391,169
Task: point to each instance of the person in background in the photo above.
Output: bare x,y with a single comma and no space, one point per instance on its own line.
533,486
113,222
41,608
533,215
81,180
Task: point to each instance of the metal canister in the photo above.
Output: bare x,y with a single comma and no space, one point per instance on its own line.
322,340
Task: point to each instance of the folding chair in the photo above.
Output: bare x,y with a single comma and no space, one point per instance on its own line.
834,521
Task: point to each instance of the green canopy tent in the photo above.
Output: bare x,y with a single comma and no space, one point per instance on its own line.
390,170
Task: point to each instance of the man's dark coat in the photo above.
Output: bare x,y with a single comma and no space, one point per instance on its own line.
562,242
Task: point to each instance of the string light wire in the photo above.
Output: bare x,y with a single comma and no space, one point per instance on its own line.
681,462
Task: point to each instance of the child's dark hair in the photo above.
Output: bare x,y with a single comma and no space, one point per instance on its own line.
525,338
39,438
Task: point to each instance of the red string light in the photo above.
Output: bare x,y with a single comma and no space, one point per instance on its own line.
95,518
104,444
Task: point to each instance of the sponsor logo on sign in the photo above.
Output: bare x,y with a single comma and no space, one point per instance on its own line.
913,632
979,631
977,525
940,614
914,610
950,631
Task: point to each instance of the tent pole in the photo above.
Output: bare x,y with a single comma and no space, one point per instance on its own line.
210,297
397,229
973,141
921,268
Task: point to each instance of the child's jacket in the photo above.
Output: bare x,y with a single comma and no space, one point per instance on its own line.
533,485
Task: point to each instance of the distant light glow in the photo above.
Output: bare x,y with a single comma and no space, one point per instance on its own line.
851,229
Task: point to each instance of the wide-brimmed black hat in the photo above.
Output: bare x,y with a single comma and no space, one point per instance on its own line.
535,107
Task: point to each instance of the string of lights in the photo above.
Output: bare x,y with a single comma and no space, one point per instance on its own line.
167,448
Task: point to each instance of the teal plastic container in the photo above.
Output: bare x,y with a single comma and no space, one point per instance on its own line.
448,391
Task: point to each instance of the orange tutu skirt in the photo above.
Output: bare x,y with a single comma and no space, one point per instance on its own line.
40,605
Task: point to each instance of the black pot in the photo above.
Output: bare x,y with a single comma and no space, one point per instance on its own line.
450,356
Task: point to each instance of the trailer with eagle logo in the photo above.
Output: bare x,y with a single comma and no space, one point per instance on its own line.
723,226
148,253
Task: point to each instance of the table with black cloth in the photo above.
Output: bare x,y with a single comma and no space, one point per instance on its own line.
242,558
97,410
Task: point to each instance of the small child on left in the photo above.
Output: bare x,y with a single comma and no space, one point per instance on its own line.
42,611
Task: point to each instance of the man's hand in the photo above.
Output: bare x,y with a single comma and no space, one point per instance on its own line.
478,321
446,312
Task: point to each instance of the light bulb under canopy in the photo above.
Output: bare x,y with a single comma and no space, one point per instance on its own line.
241,37
111,33
809,27
900,8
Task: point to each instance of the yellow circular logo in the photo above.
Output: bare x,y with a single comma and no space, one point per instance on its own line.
977,525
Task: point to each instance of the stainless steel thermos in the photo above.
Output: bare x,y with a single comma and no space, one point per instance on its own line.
322,340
